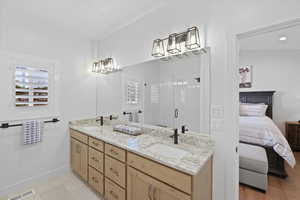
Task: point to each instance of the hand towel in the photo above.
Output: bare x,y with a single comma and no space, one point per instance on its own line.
32,132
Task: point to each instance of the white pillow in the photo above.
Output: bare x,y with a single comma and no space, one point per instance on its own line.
258,110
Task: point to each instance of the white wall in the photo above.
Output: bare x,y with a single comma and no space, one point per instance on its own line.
33,42
219,20
279,71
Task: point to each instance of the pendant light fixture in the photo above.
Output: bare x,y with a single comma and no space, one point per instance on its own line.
158,48
95,67
105,66
173,44
176,42
192,39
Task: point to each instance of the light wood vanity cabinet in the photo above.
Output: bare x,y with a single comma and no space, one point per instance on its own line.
170,176
79,158
115,152
115,171
113,191
96,180
121,175
141,186
96,159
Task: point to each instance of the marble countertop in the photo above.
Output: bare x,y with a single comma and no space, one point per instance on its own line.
197,148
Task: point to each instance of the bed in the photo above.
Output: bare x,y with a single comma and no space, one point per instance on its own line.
261,131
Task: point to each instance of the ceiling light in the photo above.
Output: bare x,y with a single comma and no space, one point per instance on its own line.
283,38
193,39
173,44
158,48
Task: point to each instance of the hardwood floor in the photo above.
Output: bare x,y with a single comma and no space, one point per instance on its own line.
278,189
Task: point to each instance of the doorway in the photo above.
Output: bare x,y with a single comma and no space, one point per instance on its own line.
269,112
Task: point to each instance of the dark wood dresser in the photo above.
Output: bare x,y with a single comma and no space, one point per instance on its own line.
293,135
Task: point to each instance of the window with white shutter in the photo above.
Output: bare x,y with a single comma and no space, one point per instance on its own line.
31,86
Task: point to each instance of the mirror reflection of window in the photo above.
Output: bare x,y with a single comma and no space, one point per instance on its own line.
132,93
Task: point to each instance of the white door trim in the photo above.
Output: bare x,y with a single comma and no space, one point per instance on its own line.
232,98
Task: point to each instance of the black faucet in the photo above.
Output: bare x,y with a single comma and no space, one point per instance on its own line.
101,121
184,129
176,136
127,113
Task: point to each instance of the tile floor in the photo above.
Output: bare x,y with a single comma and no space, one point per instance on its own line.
65,187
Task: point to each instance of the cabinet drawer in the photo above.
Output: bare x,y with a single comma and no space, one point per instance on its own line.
115,152
113,191
96,180
97,144
96,159
79,136
115,170
141,186
170,176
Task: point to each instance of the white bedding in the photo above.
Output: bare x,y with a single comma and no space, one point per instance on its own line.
263,131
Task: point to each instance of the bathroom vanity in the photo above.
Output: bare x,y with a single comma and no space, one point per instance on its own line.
144,167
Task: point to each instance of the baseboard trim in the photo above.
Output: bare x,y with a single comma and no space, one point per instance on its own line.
29,181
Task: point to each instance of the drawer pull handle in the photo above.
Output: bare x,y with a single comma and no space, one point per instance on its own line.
95,143
95,159
113,194
95,180
114,171
114,152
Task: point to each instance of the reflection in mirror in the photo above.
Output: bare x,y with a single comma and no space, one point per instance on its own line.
169,94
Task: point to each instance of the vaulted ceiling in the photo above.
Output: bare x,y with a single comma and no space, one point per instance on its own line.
93,19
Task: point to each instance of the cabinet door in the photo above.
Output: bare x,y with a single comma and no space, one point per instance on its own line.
139,187
142,187
79,155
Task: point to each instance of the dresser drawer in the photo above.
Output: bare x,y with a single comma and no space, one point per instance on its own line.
96,180
115,170
170,176
79,136
97,144
96,159
115,152
113,191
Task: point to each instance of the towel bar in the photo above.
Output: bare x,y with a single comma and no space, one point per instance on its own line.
7,125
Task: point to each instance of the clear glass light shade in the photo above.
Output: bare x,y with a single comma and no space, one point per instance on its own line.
173,44
158,48
192,39
95,67
102,67
109,64
105,66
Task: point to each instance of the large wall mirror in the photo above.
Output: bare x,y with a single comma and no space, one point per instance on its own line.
169,94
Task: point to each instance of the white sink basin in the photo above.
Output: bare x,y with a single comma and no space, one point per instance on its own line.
168,151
